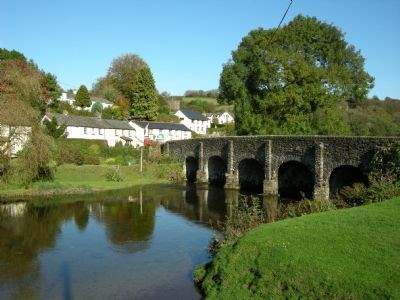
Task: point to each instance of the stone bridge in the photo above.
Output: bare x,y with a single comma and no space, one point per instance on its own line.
291,166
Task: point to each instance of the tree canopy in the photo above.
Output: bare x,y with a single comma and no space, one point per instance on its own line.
280,79
144,99
130,85
82,98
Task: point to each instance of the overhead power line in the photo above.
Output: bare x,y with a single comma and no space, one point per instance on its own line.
280,23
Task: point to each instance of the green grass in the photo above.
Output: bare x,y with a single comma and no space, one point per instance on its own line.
70,179
211,104
344,254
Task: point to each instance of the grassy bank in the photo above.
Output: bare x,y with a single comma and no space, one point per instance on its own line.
350,254
73,179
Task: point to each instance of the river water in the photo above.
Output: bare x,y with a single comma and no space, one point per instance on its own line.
140,243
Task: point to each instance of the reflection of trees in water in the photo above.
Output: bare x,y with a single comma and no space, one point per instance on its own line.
128,223
25,236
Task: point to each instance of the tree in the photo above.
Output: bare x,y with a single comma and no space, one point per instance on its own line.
34,161
52,86
20,94
53,129
123,72
143,101
82,98
278,78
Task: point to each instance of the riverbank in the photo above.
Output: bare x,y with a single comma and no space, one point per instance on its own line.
73,179
348,253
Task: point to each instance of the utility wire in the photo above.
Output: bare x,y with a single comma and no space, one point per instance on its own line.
280,23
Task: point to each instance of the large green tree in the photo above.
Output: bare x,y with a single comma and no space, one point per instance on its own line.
279,78
144,99
82,97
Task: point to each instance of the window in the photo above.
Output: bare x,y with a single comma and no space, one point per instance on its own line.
84,130
93,131
100,133
150,131
116,132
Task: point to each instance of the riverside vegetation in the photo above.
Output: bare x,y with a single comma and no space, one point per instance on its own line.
334,253
79,166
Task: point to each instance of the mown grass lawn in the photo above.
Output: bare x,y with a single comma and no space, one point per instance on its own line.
344,254
71,178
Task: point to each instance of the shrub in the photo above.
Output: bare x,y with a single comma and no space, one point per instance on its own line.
91,160
304,207
172,172
114,174
247,215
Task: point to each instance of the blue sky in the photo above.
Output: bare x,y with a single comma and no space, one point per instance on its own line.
185,42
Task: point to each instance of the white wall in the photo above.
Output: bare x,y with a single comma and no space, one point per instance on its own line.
197,126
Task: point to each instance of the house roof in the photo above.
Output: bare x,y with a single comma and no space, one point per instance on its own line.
193,115
101,100
94,122
162,125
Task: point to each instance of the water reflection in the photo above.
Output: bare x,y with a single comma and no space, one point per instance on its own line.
144,241
65,234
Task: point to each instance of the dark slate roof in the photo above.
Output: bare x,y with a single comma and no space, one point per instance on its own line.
101,100
94,122
162,125
193,115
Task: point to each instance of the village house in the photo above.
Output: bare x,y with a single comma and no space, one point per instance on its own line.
221,117
71,101
94,128
160,131
194,120
134,133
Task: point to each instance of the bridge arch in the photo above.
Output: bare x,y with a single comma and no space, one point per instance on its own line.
191,167
295,180
251,175
345,175
216,170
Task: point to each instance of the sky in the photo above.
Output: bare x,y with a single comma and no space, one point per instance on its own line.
185,42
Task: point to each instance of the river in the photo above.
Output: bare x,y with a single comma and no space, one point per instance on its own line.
139,243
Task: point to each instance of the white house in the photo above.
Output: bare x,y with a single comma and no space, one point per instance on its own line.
135,133
94,128
71,101
13,138
160,131
194,120
221,118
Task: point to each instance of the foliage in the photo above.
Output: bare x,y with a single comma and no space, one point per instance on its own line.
82,97
35,158
315,256
143,100
384,179
53,87
201,93
53,129
13,54
97,108
248,214
277,79
114,174
123,72
169,171
200,105
304,207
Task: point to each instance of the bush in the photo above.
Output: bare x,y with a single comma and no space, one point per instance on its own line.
91,160
114,174
247,215
172,172
304,207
